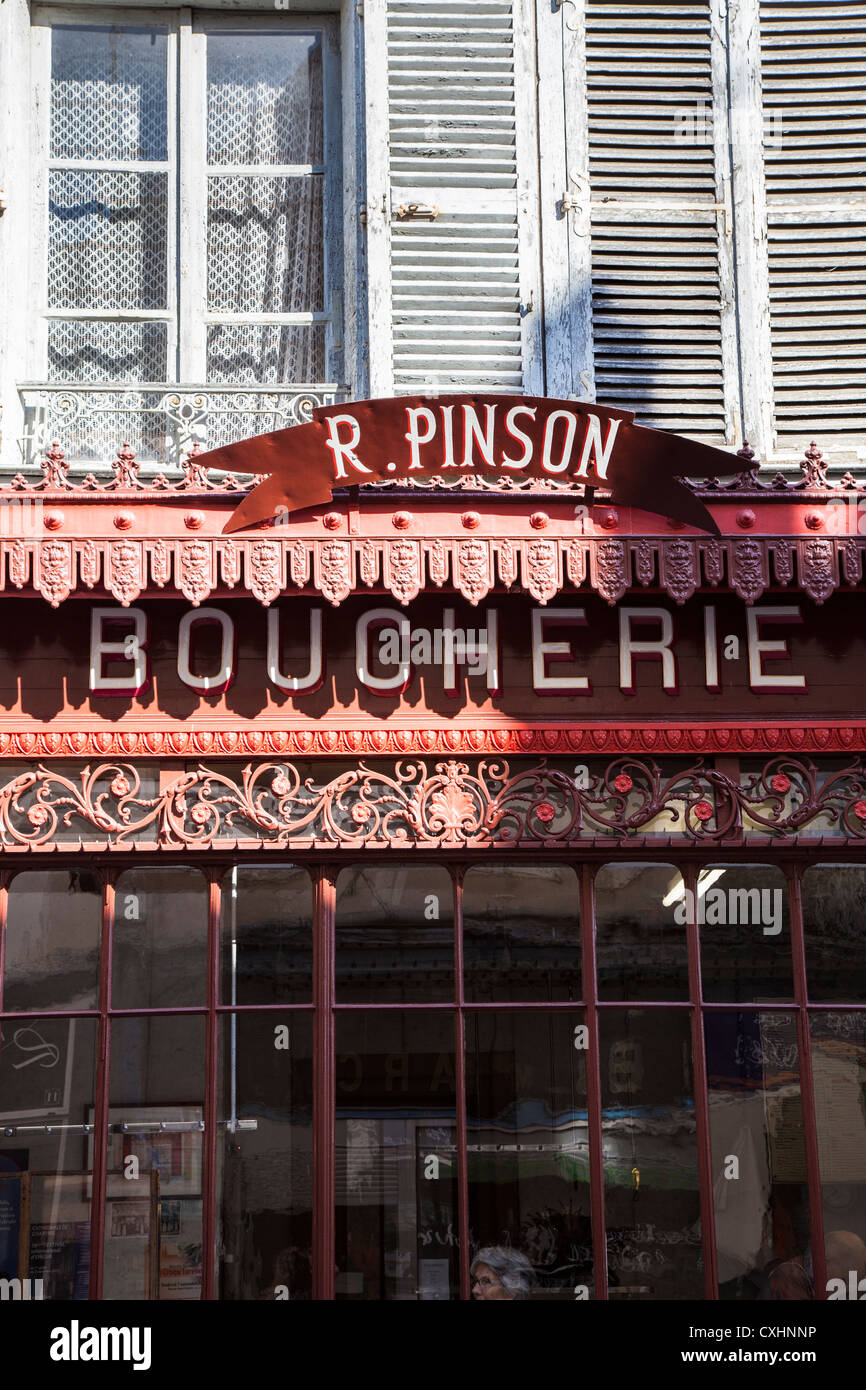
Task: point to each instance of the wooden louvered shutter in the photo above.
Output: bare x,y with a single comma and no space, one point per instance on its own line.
813,82
455,302
663,321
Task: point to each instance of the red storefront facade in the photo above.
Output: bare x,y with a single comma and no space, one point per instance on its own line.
350,966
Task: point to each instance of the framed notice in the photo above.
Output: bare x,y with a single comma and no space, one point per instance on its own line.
165,1139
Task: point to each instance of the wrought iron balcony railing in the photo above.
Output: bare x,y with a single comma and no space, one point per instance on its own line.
160,422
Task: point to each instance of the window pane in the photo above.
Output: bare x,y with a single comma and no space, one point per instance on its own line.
640,932
265,245
745,934
108,92
267,935
52,941
528,1146
396,1161
395,937
153,1228
264,98
271,353
265,1210
107,246
834,896
839,1066
160,939
652,1202
99,350
47,1077
521,932
758,1155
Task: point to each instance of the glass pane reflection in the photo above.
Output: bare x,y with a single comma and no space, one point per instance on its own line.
834,913
528,1147
265,1211
395,935
650,1155
52,941
745,934
640,932
396,1157
521,932
839,1069
758,1156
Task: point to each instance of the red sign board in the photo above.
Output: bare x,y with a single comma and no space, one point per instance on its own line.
520,437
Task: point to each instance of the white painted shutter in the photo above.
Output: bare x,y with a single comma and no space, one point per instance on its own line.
661,254
465,305
813,79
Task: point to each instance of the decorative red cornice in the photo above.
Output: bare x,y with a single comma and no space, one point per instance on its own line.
266,566
318,740
443,805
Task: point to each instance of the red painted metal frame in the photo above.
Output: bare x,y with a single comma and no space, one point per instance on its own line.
324,1008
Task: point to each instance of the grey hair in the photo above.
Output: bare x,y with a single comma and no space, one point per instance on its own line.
511,1267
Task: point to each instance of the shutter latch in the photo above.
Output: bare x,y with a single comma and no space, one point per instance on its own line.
416,212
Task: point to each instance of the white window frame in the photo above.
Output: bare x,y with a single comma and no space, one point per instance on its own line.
186,312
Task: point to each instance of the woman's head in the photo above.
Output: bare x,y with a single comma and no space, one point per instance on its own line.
500,1273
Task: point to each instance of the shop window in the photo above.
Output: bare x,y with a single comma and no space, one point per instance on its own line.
396,1157
52,941
153,1244
267,935
640,932
395,935
265,1157
528,1144
839,1073
652,1201
758,1156
745,933
47,1087
160,939
521,932
833,921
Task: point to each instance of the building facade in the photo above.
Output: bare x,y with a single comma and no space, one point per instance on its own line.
464,862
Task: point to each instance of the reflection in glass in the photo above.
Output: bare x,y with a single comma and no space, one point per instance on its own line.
640,932
396,1157
47,1078
52,941
839,1070
521,932
833,924
528,1150
153,1241
264,98
758,1156
745,934
395,935
267,935
652,1201
265,1182
108,92
160,938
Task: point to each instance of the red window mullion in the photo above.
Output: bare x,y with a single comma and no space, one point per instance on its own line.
807,1087
102,1096
460,1064
589,986
699,1084
324,1085
211,1098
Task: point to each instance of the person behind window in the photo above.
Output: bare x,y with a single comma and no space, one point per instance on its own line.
499,1272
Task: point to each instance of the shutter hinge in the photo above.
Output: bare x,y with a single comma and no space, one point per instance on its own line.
362,214
416,212
359,9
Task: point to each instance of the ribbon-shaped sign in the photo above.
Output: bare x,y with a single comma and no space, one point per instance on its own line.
421,437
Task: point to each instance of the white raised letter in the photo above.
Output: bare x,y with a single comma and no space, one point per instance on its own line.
507,461
778,651
413,439
473,434
559,651
592,445
343,450
131,647
225,674
629,648
312,679
379,617
549,431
